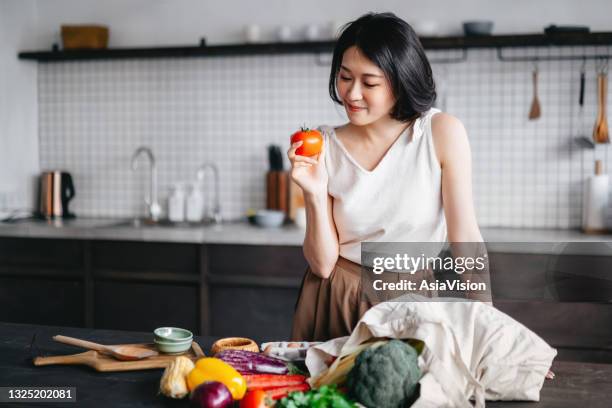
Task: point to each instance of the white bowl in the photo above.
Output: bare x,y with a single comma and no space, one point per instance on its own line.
270,218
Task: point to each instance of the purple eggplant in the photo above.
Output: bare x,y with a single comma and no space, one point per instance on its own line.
249,362
211,394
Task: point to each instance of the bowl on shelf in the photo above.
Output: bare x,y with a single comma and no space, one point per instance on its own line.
270,218
477,28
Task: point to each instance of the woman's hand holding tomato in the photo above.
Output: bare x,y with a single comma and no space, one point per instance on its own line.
307,157
312,142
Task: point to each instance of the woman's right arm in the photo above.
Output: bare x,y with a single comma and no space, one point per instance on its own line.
321,241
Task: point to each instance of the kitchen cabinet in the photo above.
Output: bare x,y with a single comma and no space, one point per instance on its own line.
559,297
144,285
34,253
253,289
144,306
40,300
220,290
261,313
41,281
162,257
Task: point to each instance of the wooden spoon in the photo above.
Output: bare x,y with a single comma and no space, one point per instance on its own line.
600,131
535,110
125,353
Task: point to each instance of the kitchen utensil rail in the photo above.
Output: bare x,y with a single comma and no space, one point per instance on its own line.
599,57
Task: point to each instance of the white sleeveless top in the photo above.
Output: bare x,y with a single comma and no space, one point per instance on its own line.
399,201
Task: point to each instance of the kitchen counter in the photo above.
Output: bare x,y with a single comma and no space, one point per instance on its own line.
237,232
521,240
576,384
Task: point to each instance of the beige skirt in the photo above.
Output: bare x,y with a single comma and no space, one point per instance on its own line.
330,308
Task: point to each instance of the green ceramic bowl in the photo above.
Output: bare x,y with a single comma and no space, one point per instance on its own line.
172,334
172,347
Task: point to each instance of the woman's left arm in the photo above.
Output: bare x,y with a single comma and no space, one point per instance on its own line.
453,152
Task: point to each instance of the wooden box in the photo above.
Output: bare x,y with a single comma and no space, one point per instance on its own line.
84,36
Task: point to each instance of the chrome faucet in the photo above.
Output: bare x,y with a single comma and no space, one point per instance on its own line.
216,211
153,207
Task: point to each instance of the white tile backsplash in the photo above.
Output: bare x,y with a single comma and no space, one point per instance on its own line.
93,115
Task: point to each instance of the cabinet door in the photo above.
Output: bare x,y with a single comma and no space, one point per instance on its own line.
41,281
149,257
257,260
264,314
43,252
55,302
563,278
253,289
260,313
140,306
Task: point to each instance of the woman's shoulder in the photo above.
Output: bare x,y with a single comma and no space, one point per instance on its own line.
444,126
448,134
443,121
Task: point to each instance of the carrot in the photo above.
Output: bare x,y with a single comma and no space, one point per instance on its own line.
278,393
267,381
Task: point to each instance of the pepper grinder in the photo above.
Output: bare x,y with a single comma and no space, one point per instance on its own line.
595,208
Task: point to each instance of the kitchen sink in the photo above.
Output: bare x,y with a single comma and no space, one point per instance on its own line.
147,223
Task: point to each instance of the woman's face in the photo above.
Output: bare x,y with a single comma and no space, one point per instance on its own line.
364,90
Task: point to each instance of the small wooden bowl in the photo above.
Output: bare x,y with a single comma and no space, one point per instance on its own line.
234,343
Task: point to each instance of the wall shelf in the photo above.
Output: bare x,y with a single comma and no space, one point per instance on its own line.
430,43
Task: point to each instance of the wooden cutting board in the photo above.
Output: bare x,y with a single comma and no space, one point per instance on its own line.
102,362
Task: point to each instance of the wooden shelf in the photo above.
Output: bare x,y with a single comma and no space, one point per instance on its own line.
431,43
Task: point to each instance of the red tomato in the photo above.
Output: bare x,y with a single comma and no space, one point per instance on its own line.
312,142
254,399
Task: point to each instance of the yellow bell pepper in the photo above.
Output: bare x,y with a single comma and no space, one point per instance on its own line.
214,369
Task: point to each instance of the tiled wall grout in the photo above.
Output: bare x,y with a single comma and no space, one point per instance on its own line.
93,115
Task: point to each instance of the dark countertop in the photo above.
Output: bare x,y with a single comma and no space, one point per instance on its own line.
584,385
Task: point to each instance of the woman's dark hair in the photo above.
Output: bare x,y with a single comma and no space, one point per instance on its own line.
391,44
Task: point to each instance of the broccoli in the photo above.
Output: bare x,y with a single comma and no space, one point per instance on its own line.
386,376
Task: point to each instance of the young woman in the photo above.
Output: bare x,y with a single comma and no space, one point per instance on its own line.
398,171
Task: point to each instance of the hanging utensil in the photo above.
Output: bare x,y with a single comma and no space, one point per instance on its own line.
582,138
582,83
600,131
535,111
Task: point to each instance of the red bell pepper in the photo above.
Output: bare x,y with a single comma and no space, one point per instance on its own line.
268,381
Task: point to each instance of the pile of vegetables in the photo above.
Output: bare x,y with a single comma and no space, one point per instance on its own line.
254,379
378,374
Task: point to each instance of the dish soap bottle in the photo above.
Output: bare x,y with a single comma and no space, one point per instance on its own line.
195,203
176,204
595,208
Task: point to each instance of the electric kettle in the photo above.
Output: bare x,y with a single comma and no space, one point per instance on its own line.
56,190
